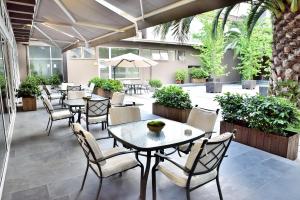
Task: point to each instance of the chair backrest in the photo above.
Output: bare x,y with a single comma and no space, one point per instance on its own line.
203,119
117,98
122,115
207,155
73,88
88,143
47,89
76,94
47,104
65,85
95,108
91,87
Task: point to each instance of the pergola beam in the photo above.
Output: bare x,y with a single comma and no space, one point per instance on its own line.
57,30
99,26
43,33
65,10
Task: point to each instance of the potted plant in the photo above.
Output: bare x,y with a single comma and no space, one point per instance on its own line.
198,75
29,90
106,87
211,52
155,84
267,123
54,80
172,102
180,76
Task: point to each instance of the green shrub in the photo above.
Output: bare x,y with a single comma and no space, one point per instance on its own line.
181,74
41,80
173,96
269,114
198,73
155,83
54,80
107,84
290,90
28,88
112,85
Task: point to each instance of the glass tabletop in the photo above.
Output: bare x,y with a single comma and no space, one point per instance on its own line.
138,136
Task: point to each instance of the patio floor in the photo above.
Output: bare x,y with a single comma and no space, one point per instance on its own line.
42,167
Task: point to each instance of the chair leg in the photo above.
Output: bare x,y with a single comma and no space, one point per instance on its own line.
102,124
98,195
188,196
50,127
85,174
153,183
219,188
48,124
87,125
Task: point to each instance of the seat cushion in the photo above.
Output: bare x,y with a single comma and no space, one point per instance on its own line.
179,177
94,120
116,164
61,114
55,95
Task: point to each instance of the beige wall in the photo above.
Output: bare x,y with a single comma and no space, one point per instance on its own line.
80,71
23,61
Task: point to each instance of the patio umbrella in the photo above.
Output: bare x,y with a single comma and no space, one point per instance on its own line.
130,60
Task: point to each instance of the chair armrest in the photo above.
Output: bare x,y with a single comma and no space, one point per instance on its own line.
172,161
115,154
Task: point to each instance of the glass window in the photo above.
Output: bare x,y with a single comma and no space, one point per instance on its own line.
120,51
57,67
75,53
40,67
164,55
181,55
56,52
103,52
171,55
39,51
146,53
89,52
155,55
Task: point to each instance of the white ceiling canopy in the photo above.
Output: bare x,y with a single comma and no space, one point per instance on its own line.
69,24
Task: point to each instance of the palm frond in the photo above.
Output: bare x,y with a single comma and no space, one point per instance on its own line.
253,20
226,15
215,24
252,13
180,28
162,29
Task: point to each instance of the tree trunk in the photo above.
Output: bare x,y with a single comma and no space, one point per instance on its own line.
286,49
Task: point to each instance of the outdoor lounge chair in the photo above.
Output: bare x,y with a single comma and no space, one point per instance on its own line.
203,119
117,98
96,111
52,95
201,166
122,115
104,163
55,115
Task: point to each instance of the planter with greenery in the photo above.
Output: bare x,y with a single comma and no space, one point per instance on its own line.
173,103
211,52
198,75
267,123
29,90
54,80
180,76
106,87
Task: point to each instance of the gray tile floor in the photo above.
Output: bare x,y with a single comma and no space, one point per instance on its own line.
42,167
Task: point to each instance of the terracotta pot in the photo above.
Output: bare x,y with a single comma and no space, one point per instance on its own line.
285,146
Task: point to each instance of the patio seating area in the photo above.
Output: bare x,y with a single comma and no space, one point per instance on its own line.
52,167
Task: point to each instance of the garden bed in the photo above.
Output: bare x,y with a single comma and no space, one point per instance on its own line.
175,114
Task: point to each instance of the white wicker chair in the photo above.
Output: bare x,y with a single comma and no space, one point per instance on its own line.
104,163
201,166
57,114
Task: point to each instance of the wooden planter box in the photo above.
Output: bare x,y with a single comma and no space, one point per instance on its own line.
198,80
175,114
103,93
29,103
280,145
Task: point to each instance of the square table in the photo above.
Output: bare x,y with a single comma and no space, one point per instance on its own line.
136,135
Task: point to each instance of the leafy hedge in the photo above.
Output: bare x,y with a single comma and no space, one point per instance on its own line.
155,83
107,84
269,114
29,87
173,96
198,73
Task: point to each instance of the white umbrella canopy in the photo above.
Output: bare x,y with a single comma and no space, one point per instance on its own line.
131,60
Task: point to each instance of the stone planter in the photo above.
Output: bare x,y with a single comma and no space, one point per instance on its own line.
249,84
214,87
175,114
285,146
198,80
263,90
103,93
29,103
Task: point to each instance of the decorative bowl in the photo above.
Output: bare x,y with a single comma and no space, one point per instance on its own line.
156,126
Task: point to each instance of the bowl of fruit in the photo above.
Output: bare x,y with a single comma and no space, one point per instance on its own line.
155,126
